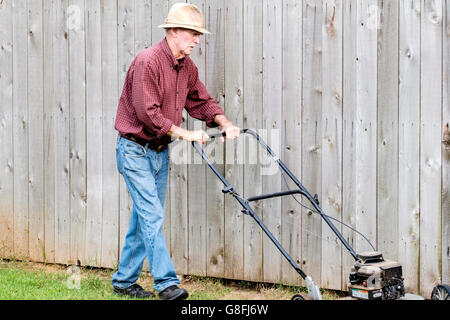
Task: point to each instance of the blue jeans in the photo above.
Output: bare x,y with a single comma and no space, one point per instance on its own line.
145,173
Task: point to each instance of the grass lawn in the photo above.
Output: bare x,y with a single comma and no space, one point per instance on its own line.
22,280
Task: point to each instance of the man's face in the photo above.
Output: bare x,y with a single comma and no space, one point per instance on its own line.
186,40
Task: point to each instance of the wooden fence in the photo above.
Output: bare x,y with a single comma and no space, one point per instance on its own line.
357,92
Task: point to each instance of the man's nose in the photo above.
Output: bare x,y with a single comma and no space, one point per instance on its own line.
197,39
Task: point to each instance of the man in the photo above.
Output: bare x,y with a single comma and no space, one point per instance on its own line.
161,81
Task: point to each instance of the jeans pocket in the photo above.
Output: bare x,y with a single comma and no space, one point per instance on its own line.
132,149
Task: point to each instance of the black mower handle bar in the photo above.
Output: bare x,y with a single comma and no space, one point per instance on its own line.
222,134
244,202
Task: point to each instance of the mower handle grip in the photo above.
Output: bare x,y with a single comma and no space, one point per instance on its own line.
222,134
249,131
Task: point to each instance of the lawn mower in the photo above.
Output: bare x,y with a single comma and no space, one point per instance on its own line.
372,277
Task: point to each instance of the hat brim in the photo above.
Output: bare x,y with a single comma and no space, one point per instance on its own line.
177,25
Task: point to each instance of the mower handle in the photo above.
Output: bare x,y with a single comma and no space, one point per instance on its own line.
222,134
282,166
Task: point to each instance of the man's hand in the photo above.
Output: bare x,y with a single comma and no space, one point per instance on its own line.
199,136
231,131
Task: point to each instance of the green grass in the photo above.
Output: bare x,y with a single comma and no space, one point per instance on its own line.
21,280
17,283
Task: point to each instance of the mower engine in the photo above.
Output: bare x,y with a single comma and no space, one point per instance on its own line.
372,277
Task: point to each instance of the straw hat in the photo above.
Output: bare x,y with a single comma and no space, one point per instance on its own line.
185,15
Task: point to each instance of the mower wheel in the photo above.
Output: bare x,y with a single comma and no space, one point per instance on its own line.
441,292
298,297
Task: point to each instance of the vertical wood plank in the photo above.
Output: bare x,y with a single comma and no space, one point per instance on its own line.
311,134
291,128
49,145
253,86
142,25
110,176
272,121
215,83
331,140
36,130
387,162
94,136
179,236
20,127
77,80
128,45
349,135
366,123
159,14
61,114
430,142
6,125
197,177
446,147
234,223
409,142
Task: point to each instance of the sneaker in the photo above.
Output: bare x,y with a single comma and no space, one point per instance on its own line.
134,291
173,293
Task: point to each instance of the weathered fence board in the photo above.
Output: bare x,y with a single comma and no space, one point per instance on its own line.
366,122
77,131
272,120
291,153
20,127
234,103
215,83
349,185
446,146
94,100
387,129
36,130
197,188
311,134
331,139
49,185
253,88
409,141
60,109
430,142
6,138
352,95
110,176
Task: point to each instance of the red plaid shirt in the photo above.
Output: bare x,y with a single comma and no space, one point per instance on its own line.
156,90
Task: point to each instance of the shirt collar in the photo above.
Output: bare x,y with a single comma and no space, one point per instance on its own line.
174,63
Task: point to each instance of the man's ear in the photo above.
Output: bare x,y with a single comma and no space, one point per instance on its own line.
173,32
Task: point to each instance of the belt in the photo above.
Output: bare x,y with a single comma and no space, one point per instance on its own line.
151,145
